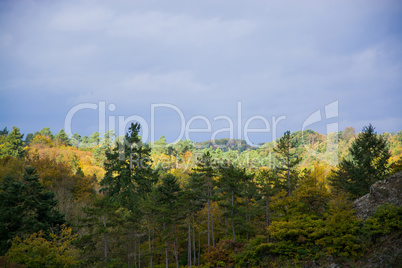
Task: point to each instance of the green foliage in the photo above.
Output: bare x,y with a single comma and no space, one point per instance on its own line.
94,139
45,132
232,184
369,163
304,227
287,158
223,254
339,235
386,219
76,140
28,139
62,138
256,253
129,175
283,215
12,143
39,251
102,223
25,207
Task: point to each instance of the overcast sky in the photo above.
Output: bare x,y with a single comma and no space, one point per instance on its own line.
213,59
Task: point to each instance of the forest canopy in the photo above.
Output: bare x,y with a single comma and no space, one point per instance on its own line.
116,201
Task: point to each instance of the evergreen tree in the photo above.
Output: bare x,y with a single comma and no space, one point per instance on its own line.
4,132
205,172
13,144
25,207
28,139
288,159
170,211
94,138
85,142
367,164
129,175
268,184
76,140
100,222
231,185
62,137
45,132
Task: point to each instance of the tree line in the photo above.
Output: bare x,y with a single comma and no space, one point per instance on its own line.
221,214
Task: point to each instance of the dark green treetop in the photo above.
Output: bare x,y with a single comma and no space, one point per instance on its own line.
25,207
368,163
287,159
129,175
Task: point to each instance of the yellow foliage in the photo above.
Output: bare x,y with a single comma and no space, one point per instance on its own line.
37,251
42,140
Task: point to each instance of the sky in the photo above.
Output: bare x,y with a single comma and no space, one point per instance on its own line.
201,69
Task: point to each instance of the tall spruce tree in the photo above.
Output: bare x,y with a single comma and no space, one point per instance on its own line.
367,163
268,184
206,171
288,159
129,175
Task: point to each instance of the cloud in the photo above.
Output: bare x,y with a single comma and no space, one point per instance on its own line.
276,57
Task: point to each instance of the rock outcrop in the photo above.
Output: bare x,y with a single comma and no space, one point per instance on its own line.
385,191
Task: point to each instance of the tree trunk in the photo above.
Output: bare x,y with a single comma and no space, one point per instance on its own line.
189,241
226,222
166,249
194,240
233,223
176,250
199,246
247,218
105,238
212,227
288,158
139,251
209,225
150,246
268,216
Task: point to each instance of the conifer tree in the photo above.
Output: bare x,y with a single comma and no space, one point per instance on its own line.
231,186
288,159
268,185
62,137
25,207
94,138
12,143
368,163
205,171
129,175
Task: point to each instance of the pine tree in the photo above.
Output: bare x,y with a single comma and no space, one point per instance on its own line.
205,171
76,140
129,175
94,138
368,163
25,207
100,222
62,137
268,184
288,159
169,195
231,184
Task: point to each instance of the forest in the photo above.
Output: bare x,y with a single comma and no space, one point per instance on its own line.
107,201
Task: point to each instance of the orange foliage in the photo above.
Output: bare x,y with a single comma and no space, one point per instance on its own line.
73,157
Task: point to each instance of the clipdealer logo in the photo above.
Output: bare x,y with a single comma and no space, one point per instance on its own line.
235,125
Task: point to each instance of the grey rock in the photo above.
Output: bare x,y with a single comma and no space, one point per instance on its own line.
385,191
